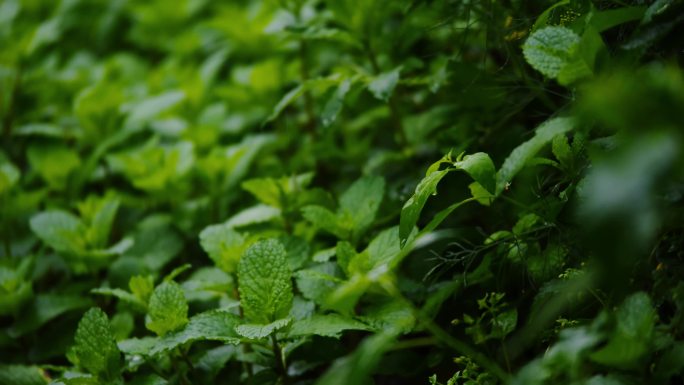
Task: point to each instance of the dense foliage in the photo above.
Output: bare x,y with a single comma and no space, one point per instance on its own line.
341,192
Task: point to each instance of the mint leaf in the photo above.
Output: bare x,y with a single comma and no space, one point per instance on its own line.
324,219
54,163
123,295
633,335
142,287
549,49
318,282
98,213
138,346
383,85
95,346
252,215
265,284
213,325
168,309
44,308
328,325
22,375
334,105
60,230
224,246
359,204
257,331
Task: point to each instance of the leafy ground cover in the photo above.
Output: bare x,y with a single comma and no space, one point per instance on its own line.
341,192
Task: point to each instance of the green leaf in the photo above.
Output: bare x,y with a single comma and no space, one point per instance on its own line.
318,282
168,309
44,308
142,286
265,284
275,192
632,337
481,194
54,163
257,331
298,91
481,168
123,295
384,248
177,271
253,215
144,111
582,63
138,346
395,316
155,243
345,297
224,246
526,151
326,325
324,219
285,101
297,249
213,325
95,346
360,203
549,49
98,213
22,375
60,230
334,105
383,85
9,175
412,208
562,151
607,19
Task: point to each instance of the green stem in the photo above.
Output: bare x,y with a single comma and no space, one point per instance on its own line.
281,366
246,348
414,343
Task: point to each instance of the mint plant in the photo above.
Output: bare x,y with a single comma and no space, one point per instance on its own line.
344,192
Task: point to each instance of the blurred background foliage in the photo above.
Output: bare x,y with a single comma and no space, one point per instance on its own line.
146,143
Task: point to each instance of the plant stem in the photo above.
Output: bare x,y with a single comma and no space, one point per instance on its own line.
281,366
246,348
414,343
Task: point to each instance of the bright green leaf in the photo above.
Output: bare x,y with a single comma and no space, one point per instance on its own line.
61,230
326,325
95,347
224,246
257,331
549,49
213,325
265,282
481,168
412,208
167,309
